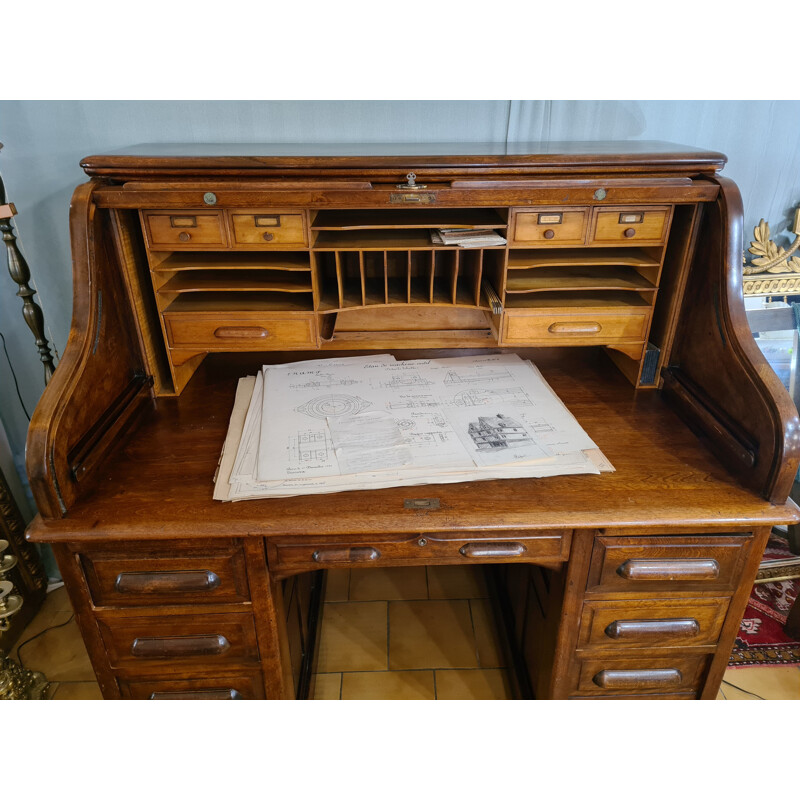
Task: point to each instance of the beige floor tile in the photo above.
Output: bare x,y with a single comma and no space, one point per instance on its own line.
328,686
353,637
431,634
60,654
55,610
472,684
771,683
83,690
398,685
490,648
388,583
337,587
456,583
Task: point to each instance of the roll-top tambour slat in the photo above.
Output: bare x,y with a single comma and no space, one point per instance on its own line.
209,694
637,678
339,554
669,569
199,580
492,549
178,646
649,628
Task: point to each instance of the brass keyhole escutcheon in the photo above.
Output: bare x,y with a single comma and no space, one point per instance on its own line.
549,233
209,198
422,542
268,237
629,233
600,194
184,237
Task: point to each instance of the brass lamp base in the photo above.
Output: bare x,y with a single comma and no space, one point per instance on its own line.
18,683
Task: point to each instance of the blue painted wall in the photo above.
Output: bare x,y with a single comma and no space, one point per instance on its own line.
44,141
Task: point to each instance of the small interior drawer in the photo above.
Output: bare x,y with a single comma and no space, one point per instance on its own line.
235,685
266,228
184,229
240,331
545,547
166,575
553,327
550,227
626,624
634,226
187,639
667,563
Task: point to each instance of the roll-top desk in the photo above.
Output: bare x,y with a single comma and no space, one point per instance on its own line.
620,279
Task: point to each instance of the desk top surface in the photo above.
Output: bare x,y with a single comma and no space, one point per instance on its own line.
159,483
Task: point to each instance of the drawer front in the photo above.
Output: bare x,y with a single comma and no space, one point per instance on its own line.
630,225
554,227
237,685
184,229
187,639
585,327
632,676
267,228
226,332
667,563
547,547
626,624
166,577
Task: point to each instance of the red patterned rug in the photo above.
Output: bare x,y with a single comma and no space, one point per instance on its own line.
761,641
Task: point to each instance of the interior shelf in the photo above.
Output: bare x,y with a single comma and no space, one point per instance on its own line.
355,219
290,262
239,301
244,281
588,256
371,239
583,299
575,278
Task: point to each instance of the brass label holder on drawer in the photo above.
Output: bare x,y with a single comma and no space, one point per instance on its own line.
183,222
267,220
549,219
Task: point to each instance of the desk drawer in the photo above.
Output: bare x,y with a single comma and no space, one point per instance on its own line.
636,226
632,676
184,230
186,639
626,624
667,563
240,332
238,685
267,228
551,227
592,327
546,547
161,575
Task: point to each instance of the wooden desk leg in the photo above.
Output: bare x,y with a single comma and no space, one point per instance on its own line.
270,620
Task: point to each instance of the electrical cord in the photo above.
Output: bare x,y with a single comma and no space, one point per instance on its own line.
739,688
41,633
14,375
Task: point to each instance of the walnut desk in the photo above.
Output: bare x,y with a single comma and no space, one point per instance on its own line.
620,280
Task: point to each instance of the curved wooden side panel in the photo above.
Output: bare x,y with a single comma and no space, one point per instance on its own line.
100,382
718,380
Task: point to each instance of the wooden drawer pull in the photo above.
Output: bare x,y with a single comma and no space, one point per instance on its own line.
241,333
172,646
203,694
666,569
637,678
198,580
350,554
575,327
492,549
644,628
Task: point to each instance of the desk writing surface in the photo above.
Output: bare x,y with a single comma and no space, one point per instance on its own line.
664,475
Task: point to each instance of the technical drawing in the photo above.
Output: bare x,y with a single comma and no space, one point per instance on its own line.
323,380
425,438
499,431
333,405
309,447
405,424
467,375
540,426
420,401
484,397
403,379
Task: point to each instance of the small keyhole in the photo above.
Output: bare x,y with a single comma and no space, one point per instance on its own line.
422,542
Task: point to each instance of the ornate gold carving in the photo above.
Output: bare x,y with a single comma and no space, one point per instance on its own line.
772,260
18,683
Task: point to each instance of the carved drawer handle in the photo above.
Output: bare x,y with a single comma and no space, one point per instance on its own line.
666,569
202,694
199,580
492,549
253,332
637,678
575,327
352,554
645,628
171,646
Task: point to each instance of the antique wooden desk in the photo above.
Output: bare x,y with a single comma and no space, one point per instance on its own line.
620,280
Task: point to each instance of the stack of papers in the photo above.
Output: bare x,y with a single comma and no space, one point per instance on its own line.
369,422
464,237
